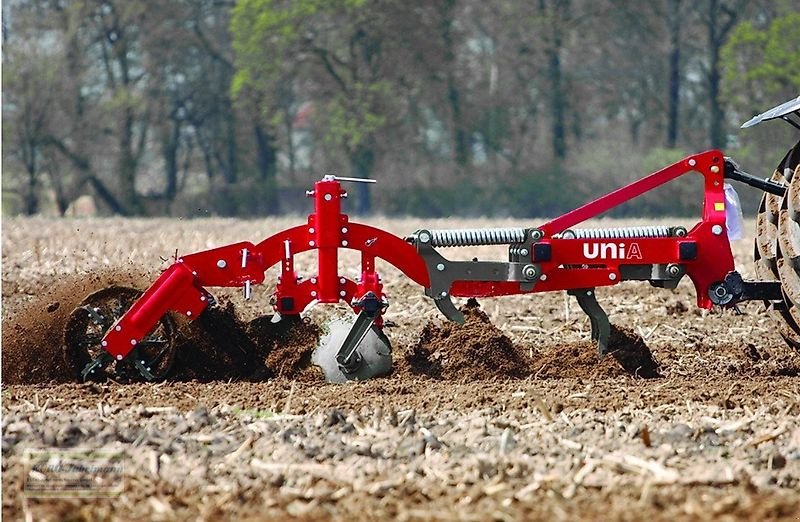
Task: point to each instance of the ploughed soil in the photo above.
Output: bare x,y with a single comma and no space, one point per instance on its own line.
512,415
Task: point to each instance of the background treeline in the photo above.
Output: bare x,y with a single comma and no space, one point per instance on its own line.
457,107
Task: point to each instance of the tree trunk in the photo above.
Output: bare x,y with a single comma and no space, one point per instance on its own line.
363,160
557,104
673,95
461,139
716,130
268,168
555,77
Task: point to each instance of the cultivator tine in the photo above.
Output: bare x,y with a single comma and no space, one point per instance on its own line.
140,365
448,309
101,361
601,328
95,315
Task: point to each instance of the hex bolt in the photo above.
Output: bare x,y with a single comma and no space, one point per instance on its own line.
313,280
424,237
311,230
440,267
529,272
342,293
523,252
313,293
104,343
311,243
328,197
673,269
118,328
443,294
537,234
188,313
344,242
716,230
612,276
721,291
543,277
344,230
133,342
342,280
692,162
221,263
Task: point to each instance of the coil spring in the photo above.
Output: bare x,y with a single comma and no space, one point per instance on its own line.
477,236
622,232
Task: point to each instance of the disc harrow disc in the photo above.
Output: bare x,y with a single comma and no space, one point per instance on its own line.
88,323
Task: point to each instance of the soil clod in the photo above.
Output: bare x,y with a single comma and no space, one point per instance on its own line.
475,350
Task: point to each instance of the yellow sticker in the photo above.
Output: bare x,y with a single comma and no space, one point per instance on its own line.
719,206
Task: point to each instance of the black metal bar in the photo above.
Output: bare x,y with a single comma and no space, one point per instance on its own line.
791,122
732,171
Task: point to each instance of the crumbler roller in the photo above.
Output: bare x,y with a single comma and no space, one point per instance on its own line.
123,331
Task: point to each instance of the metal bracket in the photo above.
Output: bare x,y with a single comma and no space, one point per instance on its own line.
734,289
444,272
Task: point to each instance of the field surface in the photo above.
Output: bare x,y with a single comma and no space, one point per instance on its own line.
511,416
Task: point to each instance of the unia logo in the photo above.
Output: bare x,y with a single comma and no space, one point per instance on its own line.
611,251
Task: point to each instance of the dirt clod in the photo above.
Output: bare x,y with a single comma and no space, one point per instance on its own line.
628,355
284,348
475,350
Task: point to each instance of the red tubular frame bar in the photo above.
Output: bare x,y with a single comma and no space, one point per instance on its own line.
180,288
713,261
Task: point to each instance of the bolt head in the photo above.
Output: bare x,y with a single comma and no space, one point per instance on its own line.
692,162
424,237
221,263
133,342
311,243
443,294
342,293
188,313
612,276
440,267
118,328
716,230
119,357
311,230
715,169
524,252
313,293
543,277
328,197
344,242
104,343
344,230
342,280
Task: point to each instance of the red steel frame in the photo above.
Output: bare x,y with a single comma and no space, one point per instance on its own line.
180,288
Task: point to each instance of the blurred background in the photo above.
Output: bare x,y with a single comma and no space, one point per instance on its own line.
456,107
